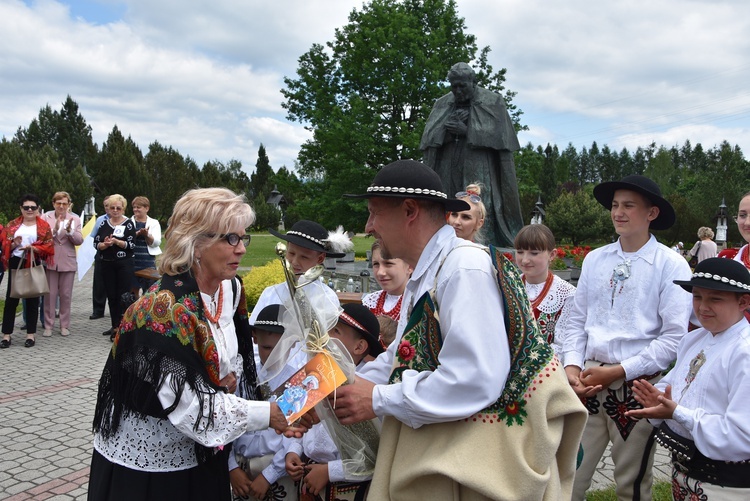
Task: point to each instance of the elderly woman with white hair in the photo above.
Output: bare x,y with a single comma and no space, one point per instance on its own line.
166,403
705,247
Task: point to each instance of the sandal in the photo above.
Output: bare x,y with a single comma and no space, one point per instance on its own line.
5,343
29,342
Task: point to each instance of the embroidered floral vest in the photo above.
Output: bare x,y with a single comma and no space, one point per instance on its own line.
529,353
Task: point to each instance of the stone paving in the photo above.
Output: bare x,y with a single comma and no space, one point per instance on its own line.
47,398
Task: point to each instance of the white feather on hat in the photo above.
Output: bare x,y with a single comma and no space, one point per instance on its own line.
338,241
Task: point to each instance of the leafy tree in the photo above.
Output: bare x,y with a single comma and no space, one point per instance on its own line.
119,168
366,94
168,176
578,217
260,180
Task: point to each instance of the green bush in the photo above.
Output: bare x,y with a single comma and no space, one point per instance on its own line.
259,278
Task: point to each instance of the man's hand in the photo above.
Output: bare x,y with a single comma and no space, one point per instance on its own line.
316,478
579,387
295,468
657,405
602,376
240,482
259,487
352,403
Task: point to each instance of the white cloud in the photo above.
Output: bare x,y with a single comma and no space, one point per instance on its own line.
204,76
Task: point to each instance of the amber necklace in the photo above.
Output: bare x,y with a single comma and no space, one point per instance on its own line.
207,311
547,284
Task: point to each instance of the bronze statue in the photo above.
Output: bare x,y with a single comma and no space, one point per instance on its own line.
469,137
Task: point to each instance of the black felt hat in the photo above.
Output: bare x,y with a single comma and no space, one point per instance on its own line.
365,322
310,235
605,192
268,319
411,179
719,274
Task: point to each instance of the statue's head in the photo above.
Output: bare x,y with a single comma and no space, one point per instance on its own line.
463,81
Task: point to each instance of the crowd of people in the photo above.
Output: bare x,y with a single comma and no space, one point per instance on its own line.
461,350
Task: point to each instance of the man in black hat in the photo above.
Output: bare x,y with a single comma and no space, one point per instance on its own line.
438,385
701,406
626,323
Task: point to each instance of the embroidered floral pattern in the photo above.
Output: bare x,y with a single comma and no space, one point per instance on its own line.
616,407
406,351
530,354
682,490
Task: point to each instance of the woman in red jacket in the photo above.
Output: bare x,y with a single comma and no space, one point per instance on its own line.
28,230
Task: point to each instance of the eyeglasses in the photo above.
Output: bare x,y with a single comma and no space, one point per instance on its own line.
115,208
740,217
234,239
30,207
473,197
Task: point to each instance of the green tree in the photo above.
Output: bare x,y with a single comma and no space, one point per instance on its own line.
119,168
260,180
578,217
366,94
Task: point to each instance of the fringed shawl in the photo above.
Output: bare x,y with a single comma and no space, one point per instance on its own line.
166,332
44,247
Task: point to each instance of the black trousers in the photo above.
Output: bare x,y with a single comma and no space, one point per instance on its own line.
11,303
98,293
117,275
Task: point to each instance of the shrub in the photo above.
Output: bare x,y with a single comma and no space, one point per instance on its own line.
259,278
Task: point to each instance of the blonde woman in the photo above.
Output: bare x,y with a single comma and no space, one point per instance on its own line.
468,223
115,240
705,247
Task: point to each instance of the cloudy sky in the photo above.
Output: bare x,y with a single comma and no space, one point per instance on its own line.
204,76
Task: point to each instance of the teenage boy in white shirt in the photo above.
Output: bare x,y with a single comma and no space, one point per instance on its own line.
626,323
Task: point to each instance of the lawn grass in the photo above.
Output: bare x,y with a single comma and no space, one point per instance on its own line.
262,249
661,491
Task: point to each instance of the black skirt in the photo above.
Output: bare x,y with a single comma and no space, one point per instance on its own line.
207,482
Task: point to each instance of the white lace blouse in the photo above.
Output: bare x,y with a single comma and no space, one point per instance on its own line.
154,444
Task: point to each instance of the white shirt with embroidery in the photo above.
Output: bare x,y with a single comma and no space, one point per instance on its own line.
636,321
714,409
475,357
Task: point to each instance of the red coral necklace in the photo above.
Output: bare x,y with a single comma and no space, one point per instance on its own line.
207,311
395,313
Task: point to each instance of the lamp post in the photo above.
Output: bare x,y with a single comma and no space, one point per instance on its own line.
721,225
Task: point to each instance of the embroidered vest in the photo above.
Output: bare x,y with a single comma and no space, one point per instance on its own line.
529,353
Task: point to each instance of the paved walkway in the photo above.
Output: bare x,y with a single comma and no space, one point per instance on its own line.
47,398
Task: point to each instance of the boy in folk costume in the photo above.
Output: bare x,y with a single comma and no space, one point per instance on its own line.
315,461
256,465
473,408
702,405
308,244
626,323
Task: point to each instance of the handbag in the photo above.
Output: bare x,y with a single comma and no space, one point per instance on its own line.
28,282
694,260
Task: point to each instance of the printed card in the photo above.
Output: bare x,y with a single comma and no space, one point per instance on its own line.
308,386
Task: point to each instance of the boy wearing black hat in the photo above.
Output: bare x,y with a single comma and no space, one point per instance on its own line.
308,244
626,323
257,460
701,406
324,476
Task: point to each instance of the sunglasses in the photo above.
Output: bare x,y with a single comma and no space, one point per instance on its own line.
234,239
474,198
29,207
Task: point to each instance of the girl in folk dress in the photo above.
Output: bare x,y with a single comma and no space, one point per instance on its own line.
392,275
551,297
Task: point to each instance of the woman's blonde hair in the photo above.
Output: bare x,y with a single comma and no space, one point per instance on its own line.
198,220
142,201
475,188
705,232
116,198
